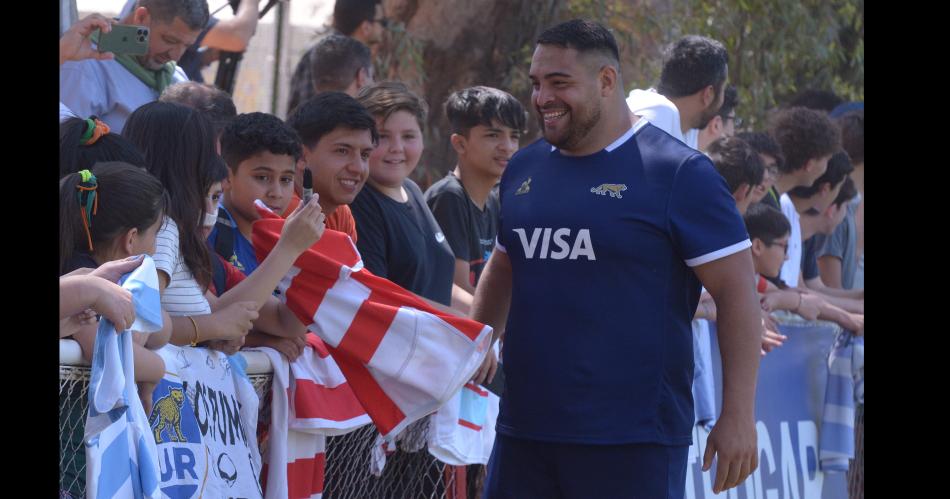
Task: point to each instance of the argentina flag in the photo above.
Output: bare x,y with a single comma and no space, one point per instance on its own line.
845,385
121,457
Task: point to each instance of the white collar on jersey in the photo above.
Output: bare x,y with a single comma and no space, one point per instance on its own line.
623,138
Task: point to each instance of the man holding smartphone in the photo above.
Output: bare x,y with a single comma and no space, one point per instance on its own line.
112,89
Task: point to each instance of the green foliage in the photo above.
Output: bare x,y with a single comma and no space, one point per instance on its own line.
776,48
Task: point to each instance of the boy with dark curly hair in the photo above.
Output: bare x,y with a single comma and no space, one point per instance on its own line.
261,152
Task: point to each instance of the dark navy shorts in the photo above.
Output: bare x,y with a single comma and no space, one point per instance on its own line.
526,469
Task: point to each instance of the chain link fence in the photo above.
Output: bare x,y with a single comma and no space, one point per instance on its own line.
411,472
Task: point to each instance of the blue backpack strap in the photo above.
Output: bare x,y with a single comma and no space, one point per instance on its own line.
224,237
219,276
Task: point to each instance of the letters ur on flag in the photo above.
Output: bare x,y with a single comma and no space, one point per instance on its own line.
402,358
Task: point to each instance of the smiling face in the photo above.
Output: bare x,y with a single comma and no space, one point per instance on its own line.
339,163
265,176
400,147
565,94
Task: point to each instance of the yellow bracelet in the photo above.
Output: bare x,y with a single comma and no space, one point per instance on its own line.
194,342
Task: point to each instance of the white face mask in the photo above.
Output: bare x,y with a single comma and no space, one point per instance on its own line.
209,219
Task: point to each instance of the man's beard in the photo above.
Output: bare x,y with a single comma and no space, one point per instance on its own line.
577,131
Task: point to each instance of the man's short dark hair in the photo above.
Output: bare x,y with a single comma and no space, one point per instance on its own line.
349,14
194,13
852,135
329,66
847,193
737,162
326,112
583,36
763,143
691,64
730,100
839,166
473,106
253,133
765,223
820,100
804,134
211,101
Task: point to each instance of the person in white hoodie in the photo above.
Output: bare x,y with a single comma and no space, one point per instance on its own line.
690,91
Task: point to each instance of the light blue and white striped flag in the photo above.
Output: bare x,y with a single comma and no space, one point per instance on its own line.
121,457
845,386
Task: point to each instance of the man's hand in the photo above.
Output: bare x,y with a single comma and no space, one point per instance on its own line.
291,348
735,443
75,44
771,340
486,373
810,307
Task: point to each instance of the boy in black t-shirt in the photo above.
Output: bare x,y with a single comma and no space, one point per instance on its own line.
486,126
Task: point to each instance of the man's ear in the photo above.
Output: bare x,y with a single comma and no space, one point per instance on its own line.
365,29
458,143
609,79
709,95
757,246
363,78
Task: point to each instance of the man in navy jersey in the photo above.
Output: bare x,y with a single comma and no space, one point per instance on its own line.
607,231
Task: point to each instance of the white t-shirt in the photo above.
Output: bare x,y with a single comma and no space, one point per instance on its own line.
183,296
661,113
793,266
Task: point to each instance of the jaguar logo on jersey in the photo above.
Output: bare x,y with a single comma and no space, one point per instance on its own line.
525,187
613,189
568,246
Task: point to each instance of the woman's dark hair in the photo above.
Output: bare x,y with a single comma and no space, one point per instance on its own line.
75,156
126,196
179,148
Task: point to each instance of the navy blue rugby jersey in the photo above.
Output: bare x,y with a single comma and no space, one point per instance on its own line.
598,345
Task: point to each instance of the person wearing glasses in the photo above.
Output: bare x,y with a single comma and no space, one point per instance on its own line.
333,63
723,124
363,20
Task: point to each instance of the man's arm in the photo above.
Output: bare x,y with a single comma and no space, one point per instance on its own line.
739,327
461,299
491,304
830,269
460,278
233,35
851,300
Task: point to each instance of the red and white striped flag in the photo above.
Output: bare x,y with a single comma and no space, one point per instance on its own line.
402,358
310,399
